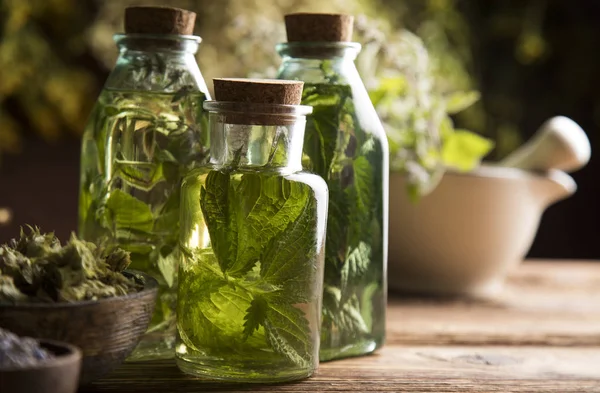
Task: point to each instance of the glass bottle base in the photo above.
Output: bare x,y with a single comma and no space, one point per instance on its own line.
238,373
153,348
360,348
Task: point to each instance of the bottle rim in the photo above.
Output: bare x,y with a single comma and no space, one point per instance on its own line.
174,42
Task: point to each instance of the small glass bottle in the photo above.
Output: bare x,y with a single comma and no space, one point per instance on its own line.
147,129
346,145
252,241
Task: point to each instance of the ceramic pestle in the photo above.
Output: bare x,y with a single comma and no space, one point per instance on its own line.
559,143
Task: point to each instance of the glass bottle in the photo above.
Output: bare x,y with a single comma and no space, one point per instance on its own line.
252,243
147,129
346,145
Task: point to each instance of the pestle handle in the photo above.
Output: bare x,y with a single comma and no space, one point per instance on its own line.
559,143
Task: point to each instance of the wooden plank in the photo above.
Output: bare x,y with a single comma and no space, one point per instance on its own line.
543,303
402,369
542,334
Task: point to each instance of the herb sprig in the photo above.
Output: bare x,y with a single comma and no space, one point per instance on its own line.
244,291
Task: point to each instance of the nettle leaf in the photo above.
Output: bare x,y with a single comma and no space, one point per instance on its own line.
356,264
289,258
323,125
220,217
463,149
266,205
255,316
345,315
126,212
337,224
197,304
288,332
351,318
363,183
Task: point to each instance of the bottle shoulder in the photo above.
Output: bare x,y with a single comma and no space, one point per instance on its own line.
198,176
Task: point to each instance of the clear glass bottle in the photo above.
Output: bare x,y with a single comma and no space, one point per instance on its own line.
147,129
346,145
252,241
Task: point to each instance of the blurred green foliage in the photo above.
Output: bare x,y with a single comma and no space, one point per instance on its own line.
54,55
44,85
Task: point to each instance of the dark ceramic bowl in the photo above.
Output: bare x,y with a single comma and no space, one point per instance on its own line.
105,330
57,375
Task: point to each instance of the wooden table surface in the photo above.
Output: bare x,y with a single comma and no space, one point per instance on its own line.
542,334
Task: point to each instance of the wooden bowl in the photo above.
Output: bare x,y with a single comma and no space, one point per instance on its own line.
105,330
57,375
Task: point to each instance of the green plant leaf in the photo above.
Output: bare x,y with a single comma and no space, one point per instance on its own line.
141,175
126,212
288,332
363,183
265,206
219,216
322,126
459,101
356,264
284,260
390,87
337,223
463,149
255,315
345,315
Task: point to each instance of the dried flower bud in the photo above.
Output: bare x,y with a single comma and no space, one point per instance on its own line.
118,260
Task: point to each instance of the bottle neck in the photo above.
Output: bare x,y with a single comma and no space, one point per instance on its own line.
257,146
257,138
326,62
162,63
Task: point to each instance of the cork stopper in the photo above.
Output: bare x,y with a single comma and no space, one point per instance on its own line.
258,91
306,27
245,94
159,20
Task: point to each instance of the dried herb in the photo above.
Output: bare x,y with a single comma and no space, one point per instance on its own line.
242,296
36,268
19,352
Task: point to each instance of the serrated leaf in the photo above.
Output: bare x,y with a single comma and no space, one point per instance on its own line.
126,212
288,333
266,205
464,150
220,217
356,264
323,125
287,258
459,101
255,316
351,318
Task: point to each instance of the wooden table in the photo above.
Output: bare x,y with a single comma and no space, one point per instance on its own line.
541,335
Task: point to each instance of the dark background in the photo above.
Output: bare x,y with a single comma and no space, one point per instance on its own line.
39,184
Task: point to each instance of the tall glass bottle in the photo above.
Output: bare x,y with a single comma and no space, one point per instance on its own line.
346,145
147,129
252,241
